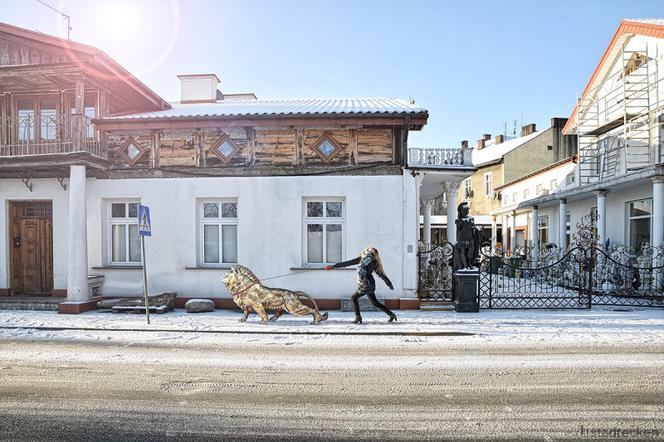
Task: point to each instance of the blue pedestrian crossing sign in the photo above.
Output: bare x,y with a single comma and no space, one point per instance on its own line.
144,225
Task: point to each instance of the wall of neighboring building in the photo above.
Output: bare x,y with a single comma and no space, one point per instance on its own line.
547,148
480,203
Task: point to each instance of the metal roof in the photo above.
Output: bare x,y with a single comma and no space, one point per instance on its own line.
281,107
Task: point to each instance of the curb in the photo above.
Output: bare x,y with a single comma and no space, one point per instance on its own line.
242,332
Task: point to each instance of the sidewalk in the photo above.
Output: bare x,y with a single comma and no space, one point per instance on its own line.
600,325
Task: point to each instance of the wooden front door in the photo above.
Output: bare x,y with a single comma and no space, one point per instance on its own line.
31,242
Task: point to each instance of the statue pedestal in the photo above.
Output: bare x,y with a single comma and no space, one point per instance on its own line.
465,291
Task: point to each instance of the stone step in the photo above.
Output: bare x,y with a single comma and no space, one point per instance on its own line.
437,306
42,306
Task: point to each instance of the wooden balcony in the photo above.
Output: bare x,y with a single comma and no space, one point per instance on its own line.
23,154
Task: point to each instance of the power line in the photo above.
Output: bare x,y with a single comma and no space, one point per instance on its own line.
61,13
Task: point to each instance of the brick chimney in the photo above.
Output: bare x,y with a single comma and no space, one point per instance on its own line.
486,137
480,143
464,144
558,122
528,129
499,139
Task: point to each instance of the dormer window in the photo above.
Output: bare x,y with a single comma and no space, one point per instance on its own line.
327,148
131,151
224,148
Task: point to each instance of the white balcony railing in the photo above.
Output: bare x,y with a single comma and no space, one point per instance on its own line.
440,158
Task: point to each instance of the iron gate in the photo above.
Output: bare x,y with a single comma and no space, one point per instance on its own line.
435,281
581,278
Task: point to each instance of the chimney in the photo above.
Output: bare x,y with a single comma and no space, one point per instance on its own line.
499,139
480,143
464,144
558,123
528,129
486,137
198,88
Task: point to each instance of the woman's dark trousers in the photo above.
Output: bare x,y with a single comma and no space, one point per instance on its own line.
372,297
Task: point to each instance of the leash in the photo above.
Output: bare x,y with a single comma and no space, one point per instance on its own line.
258,281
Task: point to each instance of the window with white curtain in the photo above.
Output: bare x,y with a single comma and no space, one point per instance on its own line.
323,230
218,232
124,241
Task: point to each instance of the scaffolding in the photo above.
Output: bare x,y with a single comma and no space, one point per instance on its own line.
618,121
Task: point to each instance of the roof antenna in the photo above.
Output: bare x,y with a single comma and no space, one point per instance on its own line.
62,14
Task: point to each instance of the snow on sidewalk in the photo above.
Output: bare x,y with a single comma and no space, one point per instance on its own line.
599,325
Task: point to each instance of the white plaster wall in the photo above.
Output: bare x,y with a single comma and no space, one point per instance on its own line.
270,231
42,189
616,211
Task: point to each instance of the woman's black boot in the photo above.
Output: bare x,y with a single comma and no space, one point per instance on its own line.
393,317
358,320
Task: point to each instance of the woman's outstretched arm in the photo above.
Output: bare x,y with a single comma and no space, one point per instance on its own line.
350,262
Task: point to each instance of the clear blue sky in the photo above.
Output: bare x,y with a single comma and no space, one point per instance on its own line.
473,64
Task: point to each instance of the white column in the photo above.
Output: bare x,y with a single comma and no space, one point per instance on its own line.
534,233
494,232
77,259
452,189
562,225
658,212
426,227
658,226
506,232
601,217
512,231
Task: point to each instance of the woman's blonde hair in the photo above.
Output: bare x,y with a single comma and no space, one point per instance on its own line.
379,263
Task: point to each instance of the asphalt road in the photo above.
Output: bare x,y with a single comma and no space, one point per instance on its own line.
239,388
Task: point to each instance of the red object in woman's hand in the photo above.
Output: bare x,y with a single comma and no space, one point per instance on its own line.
329,267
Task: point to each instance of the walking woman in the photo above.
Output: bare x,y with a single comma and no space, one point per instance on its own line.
369,262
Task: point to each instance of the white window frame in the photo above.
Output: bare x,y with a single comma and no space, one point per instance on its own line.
526,193
488,185
468,188
322,220
553,185
126,221
541,228
219,222
629,218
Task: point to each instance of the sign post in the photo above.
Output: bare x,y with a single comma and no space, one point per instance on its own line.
144,229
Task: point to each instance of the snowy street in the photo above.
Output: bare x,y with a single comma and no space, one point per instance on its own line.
497,375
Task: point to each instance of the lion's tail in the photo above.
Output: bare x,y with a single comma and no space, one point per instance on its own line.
307,296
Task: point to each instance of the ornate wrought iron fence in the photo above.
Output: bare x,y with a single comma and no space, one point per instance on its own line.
435,281
519,282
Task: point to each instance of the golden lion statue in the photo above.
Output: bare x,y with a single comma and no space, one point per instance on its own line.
249,294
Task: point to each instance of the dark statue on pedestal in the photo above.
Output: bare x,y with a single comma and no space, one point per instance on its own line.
466,262
467,248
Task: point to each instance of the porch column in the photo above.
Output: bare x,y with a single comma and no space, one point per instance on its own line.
601,217
494,232
78,119
658,211
452,190
512,231
426,228
658,226
77,259
506,233
534,232
562,225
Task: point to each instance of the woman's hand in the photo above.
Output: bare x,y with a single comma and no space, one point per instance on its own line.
329,267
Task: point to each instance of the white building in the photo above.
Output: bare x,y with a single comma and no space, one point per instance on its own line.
618,120
284,187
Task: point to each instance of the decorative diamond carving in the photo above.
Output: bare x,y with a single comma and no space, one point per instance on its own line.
327,147
131,151
224,148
